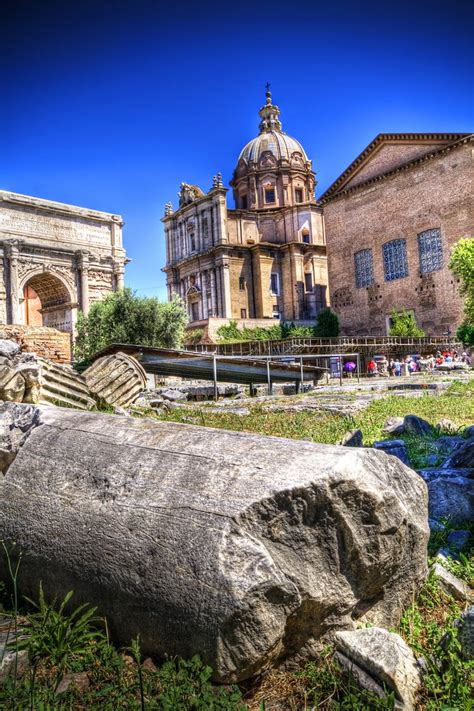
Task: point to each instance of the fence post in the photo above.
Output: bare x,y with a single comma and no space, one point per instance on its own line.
269,381
214,370
340,370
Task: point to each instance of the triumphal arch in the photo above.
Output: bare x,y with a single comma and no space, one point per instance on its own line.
55,259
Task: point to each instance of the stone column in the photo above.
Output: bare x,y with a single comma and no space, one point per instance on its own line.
226,292
83,267
12,253
213,292
119,270
204,277
220,312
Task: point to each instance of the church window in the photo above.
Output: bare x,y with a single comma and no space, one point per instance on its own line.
364,268
308,281
192,242
194,311
430,249
243,202
241,283
298,195
205,227
243,313
269,195
305,236
275,283
395,262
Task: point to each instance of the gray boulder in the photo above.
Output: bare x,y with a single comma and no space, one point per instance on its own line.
432,473
448,443
462,457
469,431
352,439
457,540
395,447
452,498
446,425
394,425
243,548
15,424
8,348
378,658
451,584
465,627
173,395
417,426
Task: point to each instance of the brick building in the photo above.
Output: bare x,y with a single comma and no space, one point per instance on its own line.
391,220
263,260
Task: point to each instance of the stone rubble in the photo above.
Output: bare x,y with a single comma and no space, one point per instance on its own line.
377,659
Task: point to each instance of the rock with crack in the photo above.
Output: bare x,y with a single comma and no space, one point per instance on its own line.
243,548
380,661
394,425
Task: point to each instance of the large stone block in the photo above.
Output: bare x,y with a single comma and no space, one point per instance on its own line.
243,548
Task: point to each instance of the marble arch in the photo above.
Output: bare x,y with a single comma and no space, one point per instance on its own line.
69,256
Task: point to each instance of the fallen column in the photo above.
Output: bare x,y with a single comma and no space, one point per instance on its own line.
242,548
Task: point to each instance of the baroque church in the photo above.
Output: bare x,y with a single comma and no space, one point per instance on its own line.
383,231
264,259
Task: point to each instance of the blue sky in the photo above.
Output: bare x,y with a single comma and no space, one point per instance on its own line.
111,104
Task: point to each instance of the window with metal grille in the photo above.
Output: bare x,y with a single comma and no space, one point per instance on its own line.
395,262
364,268
430,250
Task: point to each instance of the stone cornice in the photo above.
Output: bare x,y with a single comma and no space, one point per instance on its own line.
333,192
58,208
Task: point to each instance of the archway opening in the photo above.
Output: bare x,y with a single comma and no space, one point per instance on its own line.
47,302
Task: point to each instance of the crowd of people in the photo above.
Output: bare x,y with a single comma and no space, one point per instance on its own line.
397,367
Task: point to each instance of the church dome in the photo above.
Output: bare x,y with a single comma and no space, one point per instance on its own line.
271,137
278,143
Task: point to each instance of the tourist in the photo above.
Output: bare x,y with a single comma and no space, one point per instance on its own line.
372,368
397,367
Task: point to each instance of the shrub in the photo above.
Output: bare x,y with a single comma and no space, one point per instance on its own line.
327,325
404,325
123,317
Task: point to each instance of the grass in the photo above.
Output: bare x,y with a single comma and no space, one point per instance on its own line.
456,404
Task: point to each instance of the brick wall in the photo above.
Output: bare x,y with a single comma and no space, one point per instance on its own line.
45,342
434,194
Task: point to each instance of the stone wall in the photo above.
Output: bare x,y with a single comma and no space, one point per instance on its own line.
45,342
436,193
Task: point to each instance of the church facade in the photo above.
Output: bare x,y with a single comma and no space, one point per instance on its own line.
391,220
55,259
264,259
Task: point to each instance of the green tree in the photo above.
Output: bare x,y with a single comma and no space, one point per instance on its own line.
123,317
461,264
404,324
327,325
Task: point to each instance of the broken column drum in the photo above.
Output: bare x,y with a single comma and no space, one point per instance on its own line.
242,548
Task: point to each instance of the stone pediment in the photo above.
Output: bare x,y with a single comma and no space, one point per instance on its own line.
389,152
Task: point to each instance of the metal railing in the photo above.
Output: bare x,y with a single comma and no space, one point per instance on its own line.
301,358
295,346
